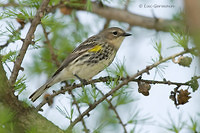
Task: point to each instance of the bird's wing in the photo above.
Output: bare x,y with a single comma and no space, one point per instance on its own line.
90,43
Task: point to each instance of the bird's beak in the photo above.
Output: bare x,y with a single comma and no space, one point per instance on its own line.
126,34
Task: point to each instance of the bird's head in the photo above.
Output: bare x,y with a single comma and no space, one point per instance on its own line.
114,36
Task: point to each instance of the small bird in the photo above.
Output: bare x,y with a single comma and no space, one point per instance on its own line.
88,59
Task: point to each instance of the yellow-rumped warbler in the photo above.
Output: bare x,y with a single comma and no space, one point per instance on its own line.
88,59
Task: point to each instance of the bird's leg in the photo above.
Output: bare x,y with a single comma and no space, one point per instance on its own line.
83,81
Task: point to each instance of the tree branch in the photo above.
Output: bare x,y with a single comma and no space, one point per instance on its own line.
121,15
79,111
133,19
40,13
115,111
105,79
24,118
50,47
124,82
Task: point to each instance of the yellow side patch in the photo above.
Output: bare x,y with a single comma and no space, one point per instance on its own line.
95,48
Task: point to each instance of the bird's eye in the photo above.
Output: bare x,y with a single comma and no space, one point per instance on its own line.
115,33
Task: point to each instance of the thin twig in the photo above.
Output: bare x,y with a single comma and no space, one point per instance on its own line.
125,82
106,25
105,79
128,79
7,67
27,41
126,5
13,4
114,109
4,45
50,47
79,111
70,88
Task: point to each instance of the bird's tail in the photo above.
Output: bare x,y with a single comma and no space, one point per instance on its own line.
41,90
38,93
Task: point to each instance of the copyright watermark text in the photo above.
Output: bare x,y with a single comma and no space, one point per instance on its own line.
155,6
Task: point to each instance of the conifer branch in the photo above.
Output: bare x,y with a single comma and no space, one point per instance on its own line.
50,47
124,81
121,15
115,111
27,41
86,130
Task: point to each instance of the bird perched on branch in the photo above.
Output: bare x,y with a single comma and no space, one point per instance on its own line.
88,59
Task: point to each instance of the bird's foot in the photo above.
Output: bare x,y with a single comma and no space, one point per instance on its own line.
83,81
